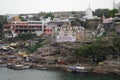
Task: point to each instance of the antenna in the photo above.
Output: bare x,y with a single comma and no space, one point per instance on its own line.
89,3
113,4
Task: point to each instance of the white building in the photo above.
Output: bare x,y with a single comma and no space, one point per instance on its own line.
88,14
69,33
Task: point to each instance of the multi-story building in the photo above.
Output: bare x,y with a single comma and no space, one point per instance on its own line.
35,27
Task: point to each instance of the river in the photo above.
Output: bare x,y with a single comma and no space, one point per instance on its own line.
33,74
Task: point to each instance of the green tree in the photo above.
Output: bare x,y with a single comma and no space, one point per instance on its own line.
93,50
3,20
116,46
76,22
73,12
33,48
106,13
22,18
113,12
100,12
49,15
26,36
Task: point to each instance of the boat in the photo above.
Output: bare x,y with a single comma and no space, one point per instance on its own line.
3,65
77,69
81,69
10,65
2,62
20,67
40,67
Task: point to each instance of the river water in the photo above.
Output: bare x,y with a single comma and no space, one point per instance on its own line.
33,74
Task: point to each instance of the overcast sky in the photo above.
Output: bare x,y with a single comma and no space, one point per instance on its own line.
35,6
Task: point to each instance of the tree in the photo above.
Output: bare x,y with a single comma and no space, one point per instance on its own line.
98,12
113,12
22,18
101,12
106,13
26,36
116,47
76,22
33,48
3,20
73,12
93,50
49,15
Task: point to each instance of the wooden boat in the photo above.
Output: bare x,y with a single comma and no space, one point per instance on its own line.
40,67
10,65
76,69
20,67
2,62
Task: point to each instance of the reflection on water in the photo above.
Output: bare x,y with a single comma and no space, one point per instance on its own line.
8,74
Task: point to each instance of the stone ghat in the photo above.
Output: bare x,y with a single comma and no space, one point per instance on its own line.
95,69
107,69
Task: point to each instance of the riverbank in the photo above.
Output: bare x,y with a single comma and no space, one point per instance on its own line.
107,70
94,69
61,57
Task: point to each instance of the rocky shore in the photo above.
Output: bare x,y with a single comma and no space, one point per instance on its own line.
107,69
96,69
101,69
55,56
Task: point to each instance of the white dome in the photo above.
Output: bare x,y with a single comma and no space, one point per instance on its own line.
88,13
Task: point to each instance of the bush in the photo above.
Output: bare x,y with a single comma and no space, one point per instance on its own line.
26,36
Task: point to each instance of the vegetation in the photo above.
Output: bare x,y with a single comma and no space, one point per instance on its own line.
99,49
26,36
101,12
34,46
47,15
113,12
116,47
106,12
76,22
3,20
73,12
22,18
92,50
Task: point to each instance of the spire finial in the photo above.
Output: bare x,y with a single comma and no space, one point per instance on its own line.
89,3
113,4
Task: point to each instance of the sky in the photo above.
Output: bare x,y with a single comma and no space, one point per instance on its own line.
36,6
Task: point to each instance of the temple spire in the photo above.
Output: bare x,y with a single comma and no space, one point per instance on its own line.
114,4
89,4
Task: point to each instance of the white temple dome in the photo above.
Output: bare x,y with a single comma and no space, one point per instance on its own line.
88,13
